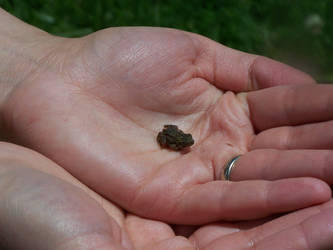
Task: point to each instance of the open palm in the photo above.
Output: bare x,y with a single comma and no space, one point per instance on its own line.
96,104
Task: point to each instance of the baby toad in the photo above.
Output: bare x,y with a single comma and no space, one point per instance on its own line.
172,137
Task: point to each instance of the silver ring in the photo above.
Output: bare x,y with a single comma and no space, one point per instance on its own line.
229,166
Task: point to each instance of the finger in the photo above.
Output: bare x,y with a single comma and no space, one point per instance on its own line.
230,69
290,220
219,234
305,229
271,164
310,136
151,234
222,200
207,234
314,233
290,105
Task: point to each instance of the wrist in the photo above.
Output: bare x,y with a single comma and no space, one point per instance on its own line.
22,48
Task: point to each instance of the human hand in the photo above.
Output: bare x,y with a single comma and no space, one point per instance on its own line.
44,207
94,105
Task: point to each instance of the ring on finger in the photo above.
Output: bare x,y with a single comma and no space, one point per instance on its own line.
229,166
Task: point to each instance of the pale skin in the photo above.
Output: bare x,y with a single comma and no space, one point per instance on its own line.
44,207
94,105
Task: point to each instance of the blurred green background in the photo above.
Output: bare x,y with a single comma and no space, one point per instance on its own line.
297,32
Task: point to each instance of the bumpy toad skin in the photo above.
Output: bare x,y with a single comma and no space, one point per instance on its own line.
173,138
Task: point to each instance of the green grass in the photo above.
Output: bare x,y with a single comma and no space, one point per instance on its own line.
298,32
